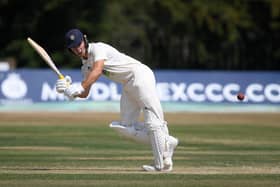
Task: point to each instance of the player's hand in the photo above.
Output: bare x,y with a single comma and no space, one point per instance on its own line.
74,90
62,84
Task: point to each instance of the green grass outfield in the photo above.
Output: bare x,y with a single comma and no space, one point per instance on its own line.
76,149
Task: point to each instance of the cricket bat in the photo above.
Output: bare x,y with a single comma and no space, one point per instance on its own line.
42,52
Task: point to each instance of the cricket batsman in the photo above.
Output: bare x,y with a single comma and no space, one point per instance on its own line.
138,95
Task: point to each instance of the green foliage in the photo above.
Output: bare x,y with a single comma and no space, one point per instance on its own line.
173,34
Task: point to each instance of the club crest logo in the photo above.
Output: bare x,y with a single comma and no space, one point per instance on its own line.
13,87
72,37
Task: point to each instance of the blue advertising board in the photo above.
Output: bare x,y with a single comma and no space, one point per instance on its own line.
33,86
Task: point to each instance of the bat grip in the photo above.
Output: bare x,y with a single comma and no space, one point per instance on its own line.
60,76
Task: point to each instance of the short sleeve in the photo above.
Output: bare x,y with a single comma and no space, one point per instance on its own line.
100,53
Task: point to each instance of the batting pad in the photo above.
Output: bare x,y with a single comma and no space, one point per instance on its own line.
135,132
157,139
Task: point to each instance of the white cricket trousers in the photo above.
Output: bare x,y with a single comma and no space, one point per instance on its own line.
140,94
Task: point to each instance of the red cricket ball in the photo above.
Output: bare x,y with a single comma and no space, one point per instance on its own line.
240,96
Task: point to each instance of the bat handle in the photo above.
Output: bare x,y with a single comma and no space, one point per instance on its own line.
60,76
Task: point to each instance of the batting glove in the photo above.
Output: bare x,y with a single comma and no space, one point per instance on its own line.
62,84
74,90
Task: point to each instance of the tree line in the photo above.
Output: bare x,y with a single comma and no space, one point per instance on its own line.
164,34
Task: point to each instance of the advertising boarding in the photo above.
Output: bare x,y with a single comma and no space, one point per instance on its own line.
33,86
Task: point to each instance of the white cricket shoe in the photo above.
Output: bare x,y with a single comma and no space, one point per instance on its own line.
151,168
167,161
168,164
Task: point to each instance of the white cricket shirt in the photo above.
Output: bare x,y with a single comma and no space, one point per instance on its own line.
117,66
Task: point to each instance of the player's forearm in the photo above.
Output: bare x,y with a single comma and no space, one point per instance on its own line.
92,78
86,84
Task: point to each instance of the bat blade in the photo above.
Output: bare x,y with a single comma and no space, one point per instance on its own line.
42,52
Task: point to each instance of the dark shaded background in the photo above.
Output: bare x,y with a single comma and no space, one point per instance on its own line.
164,34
